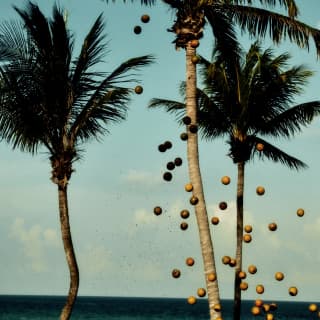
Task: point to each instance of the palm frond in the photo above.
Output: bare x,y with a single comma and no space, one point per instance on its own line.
292,120
277,155
38,28
227,47
260,21
110,107
108,90
91,51
290,5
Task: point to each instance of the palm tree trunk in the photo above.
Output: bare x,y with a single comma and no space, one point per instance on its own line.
195,179
69,252
237,280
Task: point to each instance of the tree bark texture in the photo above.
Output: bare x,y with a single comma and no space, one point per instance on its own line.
69,252
238,268
196,180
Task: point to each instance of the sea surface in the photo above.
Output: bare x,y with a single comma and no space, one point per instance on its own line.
116,308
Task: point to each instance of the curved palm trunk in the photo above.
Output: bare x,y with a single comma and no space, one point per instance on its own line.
237,280
69,252
195,179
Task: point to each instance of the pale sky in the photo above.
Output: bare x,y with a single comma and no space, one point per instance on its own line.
122,247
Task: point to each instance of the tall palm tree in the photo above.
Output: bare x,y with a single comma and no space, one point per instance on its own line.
245,104
50,99
222,16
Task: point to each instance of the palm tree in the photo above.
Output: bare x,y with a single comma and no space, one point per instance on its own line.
50,99
222,16
246,104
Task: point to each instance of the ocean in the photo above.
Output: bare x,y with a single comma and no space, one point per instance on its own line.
120,308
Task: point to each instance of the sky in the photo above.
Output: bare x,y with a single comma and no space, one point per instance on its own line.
123,249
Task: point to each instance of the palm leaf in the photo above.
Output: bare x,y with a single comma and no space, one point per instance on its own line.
292,120
107,91
277,155
260,21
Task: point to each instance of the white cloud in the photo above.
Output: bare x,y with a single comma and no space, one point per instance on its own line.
34,241
141,177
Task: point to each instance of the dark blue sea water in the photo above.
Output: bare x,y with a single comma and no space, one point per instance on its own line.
114,308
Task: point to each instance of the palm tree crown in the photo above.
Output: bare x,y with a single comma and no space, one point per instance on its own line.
246,102
256,104
50,99
47,97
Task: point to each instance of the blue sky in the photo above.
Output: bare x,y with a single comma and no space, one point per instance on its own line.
122,248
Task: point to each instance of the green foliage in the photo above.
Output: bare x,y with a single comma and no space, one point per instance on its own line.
50,98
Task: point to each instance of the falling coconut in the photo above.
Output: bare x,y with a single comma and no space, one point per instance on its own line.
252,269
137,29
272,226
138,89
186,120
313,307
300,212
226,259
266,307
258,303
201,292
232,262
247,228
255,310
242,274
247,238
188,187
225,180
145,18
293,291
157,211
244,285
192,300
184,214
194,200
178,162
260,191
189,261
193,128
269,316
176,273
279,276
184,136
223,205
162,148
170,165
259,146
168,144
183,226
217,307
260,289
212,277
215,220
167,176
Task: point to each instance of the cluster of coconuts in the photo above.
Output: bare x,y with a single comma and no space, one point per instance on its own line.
145,18
171,165
201,292
222,205
259,306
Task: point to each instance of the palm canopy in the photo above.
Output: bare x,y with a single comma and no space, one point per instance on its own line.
50,98
254,105
251,16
